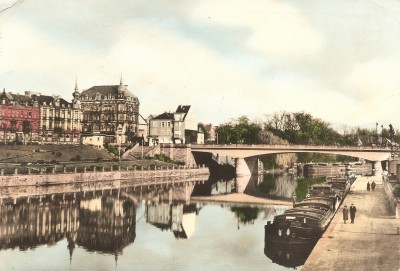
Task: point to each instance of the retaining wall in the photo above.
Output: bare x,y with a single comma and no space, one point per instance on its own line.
99,176
394,201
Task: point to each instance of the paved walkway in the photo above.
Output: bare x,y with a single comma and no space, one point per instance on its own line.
371,243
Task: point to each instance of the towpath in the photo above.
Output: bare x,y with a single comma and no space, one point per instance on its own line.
371,243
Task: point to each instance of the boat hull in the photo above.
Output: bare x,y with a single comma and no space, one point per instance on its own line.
285,234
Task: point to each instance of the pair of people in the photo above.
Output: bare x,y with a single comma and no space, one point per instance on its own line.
353,211
372,185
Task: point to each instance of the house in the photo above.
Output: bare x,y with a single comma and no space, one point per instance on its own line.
94,139
178,127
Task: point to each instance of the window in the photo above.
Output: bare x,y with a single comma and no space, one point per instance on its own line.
162,124
30,114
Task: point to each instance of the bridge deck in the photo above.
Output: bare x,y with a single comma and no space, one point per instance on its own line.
242,151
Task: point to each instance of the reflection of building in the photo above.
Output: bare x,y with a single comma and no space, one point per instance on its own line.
179,218
111,110
27,225
222,187
107,224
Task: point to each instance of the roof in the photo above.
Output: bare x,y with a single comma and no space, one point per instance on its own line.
164,116
28,99
52,100
107,90
183,109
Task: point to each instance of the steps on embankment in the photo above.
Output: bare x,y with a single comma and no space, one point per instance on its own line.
371,243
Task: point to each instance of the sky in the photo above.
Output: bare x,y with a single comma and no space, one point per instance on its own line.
337,60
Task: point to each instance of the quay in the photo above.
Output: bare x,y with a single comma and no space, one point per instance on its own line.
371,243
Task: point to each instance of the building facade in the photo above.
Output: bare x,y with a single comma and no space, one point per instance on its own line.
60,120
175,128
19,119
110,110
36,118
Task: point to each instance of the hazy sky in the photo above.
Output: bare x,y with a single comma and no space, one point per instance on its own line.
338,60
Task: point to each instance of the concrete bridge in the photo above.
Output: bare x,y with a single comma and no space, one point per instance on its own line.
245,154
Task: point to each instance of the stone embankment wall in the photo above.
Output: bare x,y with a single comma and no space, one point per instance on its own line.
182,153
323,170
394,198
99,176
317,170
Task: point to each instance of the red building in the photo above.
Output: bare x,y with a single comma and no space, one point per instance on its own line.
19,118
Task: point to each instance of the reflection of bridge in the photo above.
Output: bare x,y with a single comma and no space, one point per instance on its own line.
240,152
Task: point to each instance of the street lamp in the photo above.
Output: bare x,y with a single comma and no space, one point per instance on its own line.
119,147
142,146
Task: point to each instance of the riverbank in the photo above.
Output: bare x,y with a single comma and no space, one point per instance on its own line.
238,198
371,243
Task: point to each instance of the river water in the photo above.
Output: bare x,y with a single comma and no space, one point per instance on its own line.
146,227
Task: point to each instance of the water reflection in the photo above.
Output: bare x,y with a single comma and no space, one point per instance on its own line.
279,185
28,224
291,256
108,222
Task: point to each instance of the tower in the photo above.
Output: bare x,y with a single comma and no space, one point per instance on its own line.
76,100
121,87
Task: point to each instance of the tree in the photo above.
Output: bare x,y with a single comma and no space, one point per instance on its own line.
58,131
204,131
26,129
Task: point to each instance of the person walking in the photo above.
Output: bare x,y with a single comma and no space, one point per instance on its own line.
345,214
373,184
368,186
353,211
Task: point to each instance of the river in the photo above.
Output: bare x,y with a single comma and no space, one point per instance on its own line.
152,227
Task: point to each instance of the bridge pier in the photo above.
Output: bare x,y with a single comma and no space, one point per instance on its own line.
241,167
377,168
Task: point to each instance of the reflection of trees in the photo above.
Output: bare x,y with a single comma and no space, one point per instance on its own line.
282,185
304,183
245,214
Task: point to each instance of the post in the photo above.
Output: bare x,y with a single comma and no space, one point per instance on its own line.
142,147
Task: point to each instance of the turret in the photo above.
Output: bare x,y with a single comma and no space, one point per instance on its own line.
121,87
76,103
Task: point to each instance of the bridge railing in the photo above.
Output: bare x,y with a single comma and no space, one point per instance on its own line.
288,146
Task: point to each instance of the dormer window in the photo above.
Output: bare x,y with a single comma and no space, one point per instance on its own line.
98,96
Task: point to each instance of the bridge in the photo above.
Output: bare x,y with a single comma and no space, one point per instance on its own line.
242,152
